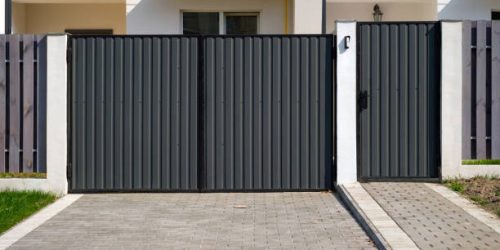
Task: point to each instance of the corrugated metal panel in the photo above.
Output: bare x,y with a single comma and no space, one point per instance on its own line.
177,113
134,113
399,72
269,112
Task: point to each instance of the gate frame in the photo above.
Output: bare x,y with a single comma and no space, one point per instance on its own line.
359,150
331,166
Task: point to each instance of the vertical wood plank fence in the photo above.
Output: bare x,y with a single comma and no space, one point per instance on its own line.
22,103
481,90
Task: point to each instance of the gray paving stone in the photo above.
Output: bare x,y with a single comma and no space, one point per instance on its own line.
200,221
429,219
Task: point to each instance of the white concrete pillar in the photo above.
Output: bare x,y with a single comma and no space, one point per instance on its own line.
57,121
307,16
346,102
2,16
451,98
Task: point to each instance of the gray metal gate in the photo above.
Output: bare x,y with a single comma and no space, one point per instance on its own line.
269,112
399,89
201,113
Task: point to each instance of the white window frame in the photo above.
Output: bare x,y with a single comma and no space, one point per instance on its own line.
222,18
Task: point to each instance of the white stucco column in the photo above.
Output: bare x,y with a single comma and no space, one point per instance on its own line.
451,98
346,102
57,122
307,16
2,16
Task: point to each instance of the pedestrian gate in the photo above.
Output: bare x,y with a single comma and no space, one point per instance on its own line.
201,113
399,89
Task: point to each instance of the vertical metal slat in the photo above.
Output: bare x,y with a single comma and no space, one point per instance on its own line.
480,103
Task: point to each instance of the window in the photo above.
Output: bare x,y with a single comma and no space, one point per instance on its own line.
495,15
89,31
205,23
241,23
214,23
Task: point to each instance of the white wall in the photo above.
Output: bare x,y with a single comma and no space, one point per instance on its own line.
307,16
393,11
56,18
164,16
467,9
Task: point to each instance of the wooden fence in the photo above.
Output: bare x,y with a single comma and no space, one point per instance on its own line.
22,103
481,90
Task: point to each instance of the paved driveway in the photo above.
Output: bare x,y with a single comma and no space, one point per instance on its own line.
201,221
429,219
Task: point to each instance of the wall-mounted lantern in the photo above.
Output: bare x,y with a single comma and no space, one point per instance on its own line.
377,13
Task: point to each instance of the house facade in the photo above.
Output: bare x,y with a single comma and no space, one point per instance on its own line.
224,16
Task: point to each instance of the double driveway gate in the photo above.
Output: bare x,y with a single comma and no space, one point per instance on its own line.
212,113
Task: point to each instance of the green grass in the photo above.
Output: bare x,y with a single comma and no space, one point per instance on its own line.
479,200
482,190
23,175
455,185
15,206
481,162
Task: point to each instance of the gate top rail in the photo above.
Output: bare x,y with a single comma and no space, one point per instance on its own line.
199,36
399,22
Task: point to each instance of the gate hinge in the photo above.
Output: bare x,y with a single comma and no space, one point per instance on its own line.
69,171
69,53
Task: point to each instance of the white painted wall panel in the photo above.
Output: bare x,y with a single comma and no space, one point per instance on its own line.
164,17
467,9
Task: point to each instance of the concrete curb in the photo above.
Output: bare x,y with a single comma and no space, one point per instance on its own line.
361,218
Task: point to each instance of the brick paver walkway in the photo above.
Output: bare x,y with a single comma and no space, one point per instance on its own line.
201,221
430,220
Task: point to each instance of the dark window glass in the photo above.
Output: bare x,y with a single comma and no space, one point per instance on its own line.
204,23
495,15
241,25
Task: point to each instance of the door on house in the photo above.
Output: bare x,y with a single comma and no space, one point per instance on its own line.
399,110
201,113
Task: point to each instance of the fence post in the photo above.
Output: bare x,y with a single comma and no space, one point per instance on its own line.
346,102
451,90
495,89
57,122
466,90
